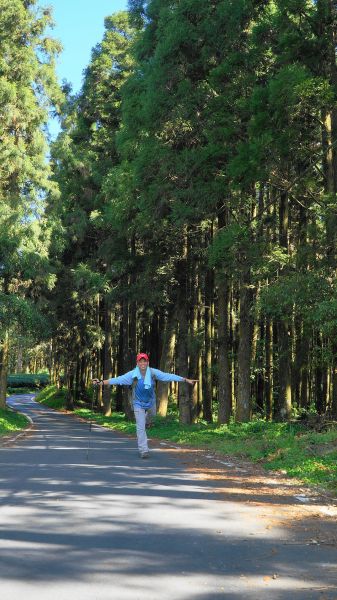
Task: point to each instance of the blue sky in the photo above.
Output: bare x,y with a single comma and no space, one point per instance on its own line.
79,25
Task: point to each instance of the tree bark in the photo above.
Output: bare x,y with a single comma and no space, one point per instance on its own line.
243,407
70,386
107,363
224,368
184,402
194,357
4,354
207,380
124,361
269,388
319,397
166,363
327,12
283,403
182,353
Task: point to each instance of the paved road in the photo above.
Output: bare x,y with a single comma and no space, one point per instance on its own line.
107,525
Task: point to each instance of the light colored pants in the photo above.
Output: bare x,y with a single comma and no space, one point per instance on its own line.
143,416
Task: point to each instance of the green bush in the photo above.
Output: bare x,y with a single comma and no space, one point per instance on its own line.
28,380
11,391
53,397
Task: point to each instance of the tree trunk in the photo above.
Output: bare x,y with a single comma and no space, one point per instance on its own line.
233,342
208,384
268,390
243,408
107,363
182,366
259,366
283,404
194,356
70,386
182,353
128,359
119,367
319,401
19,360
282,408
166,363
334,395
224,368
4,353
304,372
77,383
154,339
200,326
327,11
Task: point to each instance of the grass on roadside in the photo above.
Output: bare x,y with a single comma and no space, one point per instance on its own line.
52,397
305,454
11,421
19,391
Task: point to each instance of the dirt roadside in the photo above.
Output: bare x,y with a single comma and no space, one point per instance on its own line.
310,514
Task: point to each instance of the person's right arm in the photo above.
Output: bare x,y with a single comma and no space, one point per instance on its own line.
125,379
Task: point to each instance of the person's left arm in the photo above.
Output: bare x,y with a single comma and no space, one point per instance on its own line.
161,376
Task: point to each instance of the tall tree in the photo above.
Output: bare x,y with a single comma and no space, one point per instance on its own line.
28,89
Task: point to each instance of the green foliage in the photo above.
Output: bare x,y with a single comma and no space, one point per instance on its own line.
325,316
89,246
28,380
53,397
11,421
88,282
24,315
311,293
197,115
28,91
27,88
20,390
229,245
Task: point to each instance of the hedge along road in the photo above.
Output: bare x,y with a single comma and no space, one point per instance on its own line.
106,524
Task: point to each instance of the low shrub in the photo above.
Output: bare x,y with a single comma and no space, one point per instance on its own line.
28,380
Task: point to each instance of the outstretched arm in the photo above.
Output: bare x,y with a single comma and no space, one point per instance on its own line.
125,379
161,376
191,381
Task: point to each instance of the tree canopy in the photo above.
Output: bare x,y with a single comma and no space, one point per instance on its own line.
189,201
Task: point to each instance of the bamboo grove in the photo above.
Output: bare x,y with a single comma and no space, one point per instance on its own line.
191,209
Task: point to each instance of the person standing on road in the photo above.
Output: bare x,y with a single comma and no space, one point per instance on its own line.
142,381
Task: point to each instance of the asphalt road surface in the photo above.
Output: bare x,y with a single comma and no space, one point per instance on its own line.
89,520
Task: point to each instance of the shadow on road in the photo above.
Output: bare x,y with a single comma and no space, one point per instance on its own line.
104,523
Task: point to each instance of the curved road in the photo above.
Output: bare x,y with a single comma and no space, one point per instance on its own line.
104,524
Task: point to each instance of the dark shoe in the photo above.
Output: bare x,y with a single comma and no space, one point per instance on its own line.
144,455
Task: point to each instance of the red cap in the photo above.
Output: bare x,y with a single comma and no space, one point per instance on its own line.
142,355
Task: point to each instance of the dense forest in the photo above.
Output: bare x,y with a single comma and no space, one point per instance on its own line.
187,208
